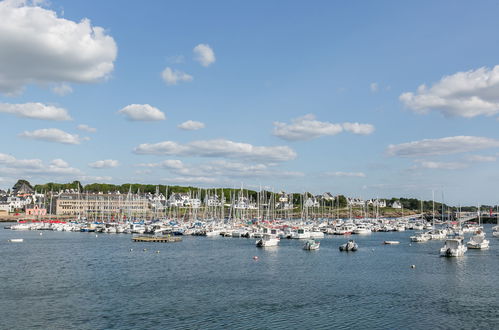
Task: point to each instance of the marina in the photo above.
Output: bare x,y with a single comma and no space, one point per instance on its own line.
323,289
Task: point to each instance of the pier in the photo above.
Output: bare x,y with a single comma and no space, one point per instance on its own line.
157,239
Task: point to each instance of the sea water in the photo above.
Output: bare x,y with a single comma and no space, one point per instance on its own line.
66,280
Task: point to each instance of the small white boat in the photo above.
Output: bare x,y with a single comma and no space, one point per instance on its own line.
391,242
312,245
453,247
420,238
267,240
16,240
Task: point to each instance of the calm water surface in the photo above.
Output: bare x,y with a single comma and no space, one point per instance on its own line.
64,280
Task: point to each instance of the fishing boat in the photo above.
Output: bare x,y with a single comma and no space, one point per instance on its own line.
453,247
267,240
312,245
349,246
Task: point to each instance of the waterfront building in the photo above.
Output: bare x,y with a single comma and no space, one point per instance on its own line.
110,206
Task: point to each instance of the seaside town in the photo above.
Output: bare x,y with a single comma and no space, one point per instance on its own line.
190,164
266,216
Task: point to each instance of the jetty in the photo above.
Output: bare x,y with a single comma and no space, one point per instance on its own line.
157,239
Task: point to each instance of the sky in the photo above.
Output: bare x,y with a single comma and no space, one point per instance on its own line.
362,98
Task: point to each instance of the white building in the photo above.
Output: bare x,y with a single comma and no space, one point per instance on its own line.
396,205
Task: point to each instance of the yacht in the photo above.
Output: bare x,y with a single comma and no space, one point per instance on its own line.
478,241
453,247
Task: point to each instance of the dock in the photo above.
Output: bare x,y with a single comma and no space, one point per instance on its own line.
157,239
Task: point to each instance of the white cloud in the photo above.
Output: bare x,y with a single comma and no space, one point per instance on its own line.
40,47
480,158
374,87
442,165
307,128
191,125
222,169
35,111
53,135
463,94
86,128
356,128
204,54
108,163
57,167
442,146
172,77
218,148
347,174
62,89
142,112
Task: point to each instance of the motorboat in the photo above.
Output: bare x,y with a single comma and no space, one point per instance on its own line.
420,237
478,241
453,247
267,240
437,234
311,245
362,230
349,246
16,240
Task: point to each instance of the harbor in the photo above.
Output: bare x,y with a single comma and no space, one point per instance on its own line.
373,287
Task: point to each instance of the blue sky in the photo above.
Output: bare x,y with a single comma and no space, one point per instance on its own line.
281,94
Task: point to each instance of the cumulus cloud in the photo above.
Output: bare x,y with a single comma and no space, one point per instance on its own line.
172,77
35,111
463,94
53,135
62,89
13,166
142,112
442,146
356,128
86,128
347,174
108,163
204,54
374,87
308,128
191,125
218,148
40,47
